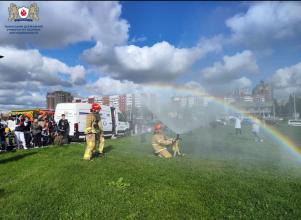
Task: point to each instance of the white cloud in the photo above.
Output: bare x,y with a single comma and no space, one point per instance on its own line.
194,85
30,65
160,62
287,80
20,96
169,58
231,68
230,73
54,66
65,23
240,83
267,22
27,75
109,86
227,88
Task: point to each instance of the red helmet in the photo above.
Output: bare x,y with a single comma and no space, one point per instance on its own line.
95,107
157,127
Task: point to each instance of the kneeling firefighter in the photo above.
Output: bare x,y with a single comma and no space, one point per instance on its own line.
160,142
94,132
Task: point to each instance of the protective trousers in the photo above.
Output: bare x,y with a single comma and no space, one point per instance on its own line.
164,153
94,141
176,148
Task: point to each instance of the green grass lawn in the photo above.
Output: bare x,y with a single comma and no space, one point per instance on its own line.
221,176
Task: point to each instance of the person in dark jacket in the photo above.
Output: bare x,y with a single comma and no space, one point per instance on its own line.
36,131
63,127
45,133
19,132
2,137
27,136
10,139
51,127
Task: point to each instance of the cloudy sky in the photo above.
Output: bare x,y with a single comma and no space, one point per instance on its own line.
103,48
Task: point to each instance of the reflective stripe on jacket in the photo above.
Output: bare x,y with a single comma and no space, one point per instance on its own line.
159,142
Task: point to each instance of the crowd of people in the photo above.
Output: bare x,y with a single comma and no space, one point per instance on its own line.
24,132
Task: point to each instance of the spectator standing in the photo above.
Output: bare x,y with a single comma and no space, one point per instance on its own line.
238,125
63,127
19,132
10,139
41,121
51,127
36,131
2,136
45,133
27,135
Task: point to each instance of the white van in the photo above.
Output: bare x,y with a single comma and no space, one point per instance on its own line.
113,120
122,125
294,122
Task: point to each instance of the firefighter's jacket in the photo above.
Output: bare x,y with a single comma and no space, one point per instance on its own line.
160,141
93,124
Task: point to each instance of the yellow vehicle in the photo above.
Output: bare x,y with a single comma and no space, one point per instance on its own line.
32,113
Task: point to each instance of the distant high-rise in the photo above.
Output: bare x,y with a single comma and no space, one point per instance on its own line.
263,91
132,105
106,100
122,103
53,98
114,101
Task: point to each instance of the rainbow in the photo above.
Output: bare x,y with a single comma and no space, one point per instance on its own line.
285,141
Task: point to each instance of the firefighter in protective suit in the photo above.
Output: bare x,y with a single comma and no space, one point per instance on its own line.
160,142
94,132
